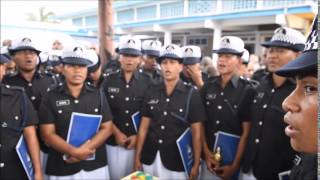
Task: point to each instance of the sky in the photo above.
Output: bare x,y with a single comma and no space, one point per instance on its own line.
14,10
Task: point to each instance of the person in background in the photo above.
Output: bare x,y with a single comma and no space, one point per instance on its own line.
191,73
5,59
95,75
151,50
57,45
301,108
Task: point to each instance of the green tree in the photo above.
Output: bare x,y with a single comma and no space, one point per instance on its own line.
42,15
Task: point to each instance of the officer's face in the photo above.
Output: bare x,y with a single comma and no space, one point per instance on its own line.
171,69
75,74
26,60
227,63
57,45
301,106
129,63
278,56
150,63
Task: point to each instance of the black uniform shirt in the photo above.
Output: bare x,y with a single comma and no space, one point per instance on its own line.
268,149
35,89
156,76
125,99
305,167
226,107
16,112
167,122
56,108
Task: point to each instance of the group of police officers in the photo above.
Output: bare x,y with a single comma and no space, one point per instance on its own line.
170,99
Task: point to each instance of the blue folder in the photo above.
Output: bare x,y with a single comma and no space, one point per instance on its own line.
23,153
82,128
184,143
136,120
228,144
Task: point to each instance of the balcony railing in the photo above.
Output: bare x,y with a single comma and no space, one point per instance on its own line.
153,10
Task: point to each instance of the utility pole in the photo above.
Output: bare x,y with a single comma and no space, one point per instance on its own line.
105,14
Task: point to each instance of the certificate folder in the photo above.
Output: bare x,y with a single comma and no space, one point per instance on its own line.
23,153
228,144
184,143
82,128
136,119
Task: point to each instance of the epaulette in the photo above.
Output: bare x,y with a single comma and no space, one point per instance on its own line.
15,88
54,86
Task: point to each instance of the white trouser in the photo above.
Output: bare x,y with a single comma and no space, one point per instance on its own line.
247,176
43,161
98,174
120,161
205,174
157,169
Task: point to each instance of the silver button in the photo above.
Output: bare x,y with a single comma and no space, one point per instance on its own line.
219,107
265,106
127,124
4,125
127,86
60,84
16,117
160,141
76,101
260,123
257,141
29,84
7,86
217,122
272,90
59,111
111,96
254,101
207,102
33,98
221,93
180,110
96,110
165,113
127,98
1,165
235,106
163,127
168,100
126,111
151,107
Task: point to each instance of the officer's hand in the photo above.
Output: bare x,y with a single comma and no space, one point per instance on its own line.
194,173
194,72
131,141
121,139
72,160
83,152
211,164
137,165
225,172
38,175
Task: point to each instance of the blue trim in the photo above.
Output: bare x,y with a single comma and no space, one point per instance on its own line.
234,15
128,3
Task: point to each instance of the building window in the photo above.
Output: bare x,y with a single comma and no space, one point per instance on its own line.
145,13
77,21
199,41
125,15
171,9
91,20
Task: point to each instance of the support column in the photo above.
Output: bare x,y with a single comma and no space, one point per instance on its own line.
215,44
167,37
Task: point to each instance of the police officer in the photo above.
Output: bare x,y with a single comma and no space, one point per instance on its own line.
95,75
268,152
125,91
151,50
55,113
4,59
168,110
25,54
52,65
301,107
191,73
226,99
17,118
